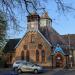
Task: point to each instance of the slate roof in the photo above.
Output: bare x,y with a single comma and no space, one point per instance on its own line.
10,45
55,38
52,36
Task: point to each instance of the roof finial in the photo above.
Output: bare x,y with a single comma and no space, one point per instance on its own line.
45,15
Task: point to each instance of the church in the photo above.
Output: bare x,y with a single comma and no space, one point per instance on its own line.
41,44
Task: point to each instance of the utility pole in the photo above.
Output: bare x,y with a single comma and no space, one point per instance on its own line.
69,42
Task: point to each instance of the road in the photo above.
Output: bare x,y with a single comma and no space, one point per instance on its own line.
46,72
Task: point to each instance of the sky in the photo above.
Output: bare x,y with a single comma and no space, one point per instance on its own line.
62,23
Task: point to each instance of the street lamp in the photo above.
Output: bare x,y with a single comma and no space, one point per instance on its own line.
70,51
52,55
70,60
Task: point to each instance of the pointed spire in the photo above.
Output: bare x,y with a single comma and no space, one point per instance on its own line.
45,15
33,13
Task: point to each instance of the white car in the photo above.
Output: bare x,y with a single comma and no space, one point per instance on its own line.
18,63
29,67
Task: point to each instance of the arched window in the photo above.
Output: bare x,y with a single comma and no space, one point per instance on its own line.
37,56
43,55
25,47
10,58
40,46
22,55
32,38
27,55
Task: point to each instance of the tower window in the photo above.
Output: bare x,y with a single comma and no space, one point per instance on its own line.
32,26
32,38
40,46
25,47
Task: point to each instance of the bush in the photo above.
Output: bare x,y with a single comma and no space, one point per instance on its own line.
2,62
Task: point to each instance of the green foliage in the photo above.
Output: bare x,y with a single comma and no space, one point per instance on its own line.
2,62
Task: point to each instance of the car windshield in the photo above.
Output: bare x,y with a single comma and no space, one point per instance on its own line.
18,62
36,64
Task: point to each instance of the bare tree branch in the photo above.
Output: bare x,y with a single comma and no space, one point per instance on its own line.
8,6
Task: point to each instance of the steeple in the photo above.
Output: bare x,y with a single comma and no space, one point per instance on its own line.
45,15
33,21
45,20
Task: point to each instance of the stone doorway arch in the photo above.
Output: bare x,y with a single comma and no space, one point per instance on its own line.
59,59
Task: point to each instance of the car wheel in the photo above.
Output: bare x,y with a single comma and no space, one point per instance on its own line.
15,69
35,71
19,71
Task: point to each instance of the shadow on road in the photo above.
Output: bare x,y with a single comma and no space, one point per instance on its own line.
60,72
11,72
8,73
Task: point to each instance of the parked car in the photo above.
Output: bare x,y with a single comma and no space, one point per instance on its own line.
29,67
18,63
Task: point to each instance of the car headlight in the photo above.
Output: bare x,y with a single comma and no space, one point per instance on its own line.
40,68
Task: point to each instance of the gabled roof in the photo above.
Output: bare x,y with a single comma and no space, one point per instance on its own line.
10,45
33,31
14,43
45,16
21,39
60,50
44,38
52,36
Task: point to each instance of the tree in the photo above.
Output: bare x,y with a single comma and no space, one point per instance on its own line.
9,6
36,5
3,26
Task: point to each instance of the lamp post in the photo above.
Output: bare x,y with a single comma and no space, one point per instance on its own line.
66,66
70,56
70,60
52,55
52,61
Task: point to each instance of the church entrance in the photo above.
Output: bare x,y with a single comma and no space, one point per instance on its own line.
59,60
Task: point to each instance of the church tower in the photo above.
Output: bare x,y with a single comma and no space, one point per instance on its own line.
33,22
45,21
45,25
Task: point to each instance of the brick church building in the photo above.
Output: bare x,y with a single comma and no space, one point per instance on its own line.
41,44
